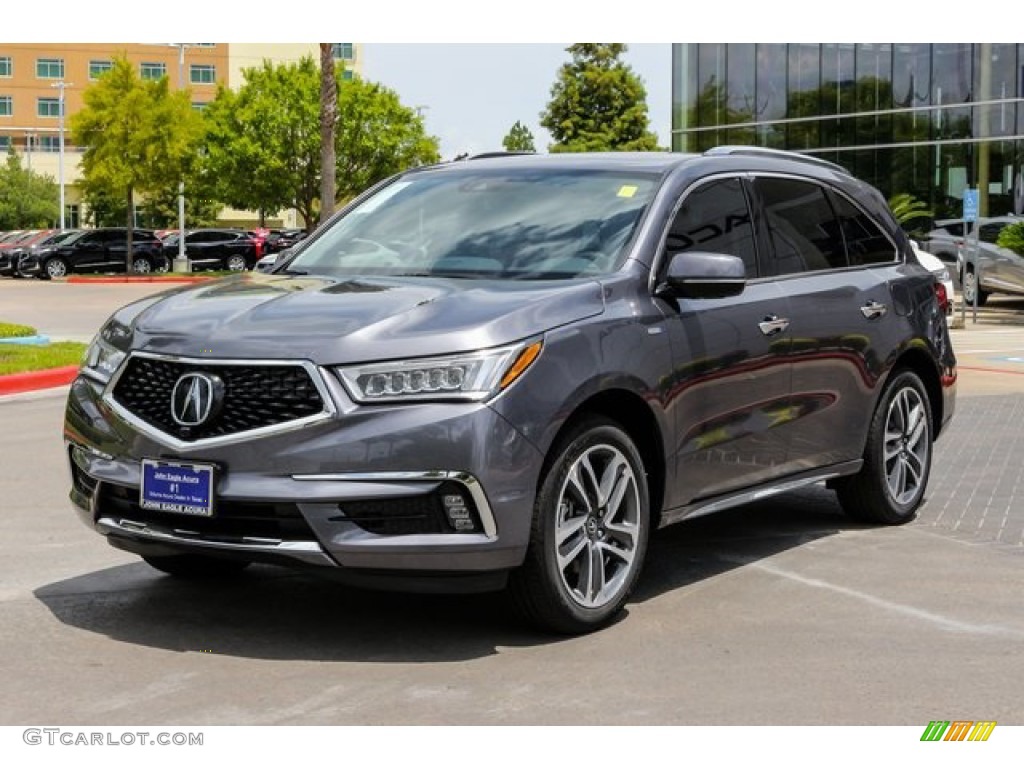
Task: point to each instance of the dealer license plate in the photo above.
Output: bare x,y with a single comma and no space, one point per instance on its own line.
170,486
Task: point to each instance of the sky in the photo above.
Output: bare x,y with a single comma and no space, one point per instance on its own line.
472,94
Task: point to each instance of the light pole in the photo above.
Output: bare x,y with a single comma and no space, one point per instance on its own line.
61,85
181,262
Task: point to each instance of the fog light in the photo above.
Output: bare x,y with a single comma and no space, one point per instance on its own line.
456,509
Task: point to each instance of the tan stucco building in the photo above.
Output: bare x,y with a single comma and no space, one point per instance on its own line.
30,97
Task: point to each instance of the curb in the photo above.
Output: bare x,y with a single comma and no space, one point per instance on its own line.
82,280
13,383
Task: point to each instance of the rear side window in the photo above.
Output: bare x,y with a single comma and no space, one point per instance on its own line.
865,242
715,217
803,230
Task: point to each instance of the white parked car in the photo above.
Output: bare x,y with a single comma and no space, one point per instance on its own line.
940,269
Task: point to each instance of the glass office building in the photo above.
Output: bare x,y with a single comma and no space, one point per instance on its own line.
928,119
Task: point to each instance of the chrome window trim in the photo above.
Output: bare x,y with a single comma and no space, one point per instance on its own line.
315,373
465,479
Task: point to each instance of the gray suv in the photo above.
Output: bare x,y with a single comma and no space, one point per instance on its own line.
510,371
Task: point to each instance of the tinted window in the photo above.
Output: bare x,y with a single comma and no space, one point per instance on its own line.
989,233
803,230
715,217
865,242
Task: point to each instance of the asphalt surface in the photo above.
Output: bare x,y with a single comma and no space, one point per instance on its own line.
782,612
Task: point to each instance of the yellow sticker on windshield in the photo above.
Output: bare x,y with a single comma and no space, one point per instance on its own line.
627,190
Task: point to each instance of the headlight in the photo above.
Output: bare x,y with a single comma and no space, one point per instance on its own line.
101,360
471,376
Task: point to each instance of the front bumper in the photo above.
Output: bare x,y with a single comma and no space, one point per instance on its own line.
288,497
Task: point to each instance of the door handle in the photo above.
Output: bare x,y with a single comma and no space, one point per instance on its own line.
873,309
773,324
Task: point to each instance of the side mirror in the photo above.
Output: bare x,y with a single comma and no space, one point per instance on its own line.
704,275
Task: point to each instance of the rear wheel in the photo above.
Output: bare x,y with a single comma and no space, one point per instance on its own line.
196,567
142,265
235,263
970,285
589,533
897,459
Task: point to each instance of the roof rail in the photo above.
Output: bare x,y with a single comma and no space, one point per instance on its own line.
739,149
484,155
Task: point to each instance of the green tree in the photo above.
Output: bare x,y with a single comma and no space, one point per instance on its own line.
28,200
139,136
264,142
519,139
377,136
1012,237
907,208
598,103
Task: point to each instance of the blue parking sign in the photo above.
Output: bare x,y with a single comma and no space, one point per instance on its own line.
970,205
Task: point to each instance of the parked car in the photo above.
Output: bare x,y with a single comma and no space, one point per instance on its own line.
1002,270
944,291
11,252
510,371
94,250
279,240
944,240
268,262
230,249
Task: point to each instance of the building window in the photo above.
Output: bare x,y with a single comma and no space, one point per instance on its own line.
346,74
204,45
51,69
6,106
98,67
48,144
153,70
5,143
6,66
47,107
202,73
199,106
343,51
73,216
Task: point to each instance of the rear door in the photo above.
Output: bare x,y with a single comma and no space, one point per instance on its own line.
835,264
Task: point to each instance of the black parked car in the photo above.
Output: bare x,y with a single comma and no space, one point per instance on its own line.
10,257
512,371
95,250
230,249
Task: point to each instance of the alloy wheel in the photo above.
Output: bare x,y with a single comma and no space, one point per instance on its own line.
907,446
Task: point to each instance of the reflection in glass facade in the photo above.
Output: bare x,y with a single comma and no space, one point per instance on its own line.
928,119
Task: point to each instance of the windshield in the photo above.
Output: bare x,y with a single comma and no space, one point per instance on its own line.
508,224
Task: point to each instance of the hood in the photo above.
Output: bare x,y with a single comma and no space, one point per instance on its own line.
357,319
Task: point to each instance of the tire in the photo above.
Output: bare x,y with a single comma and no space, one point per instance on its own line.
54,267
235,263
897,458
196,567
142,265
969,283
558,587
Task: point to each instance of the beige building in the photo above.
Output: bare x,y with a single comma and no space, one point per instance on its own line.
30,74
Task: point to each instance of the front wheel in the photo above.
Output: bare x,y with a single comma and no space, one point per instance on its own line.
55,268
897,459
235,263
589,532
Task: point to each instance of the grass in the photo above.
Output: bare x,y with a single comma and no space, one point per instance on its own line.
12,330
17,358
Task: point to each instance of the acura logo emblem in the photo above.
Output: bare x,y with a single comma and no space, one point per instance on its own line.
195,398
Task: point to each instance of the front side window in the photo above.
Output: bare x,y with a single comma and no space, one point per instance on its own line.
509,224
202,73
152,70
715,217
52,69
804,232
47,107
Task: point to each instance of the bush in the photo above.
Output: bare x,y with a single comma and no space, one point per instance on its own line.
1012,237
